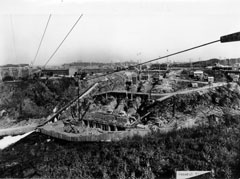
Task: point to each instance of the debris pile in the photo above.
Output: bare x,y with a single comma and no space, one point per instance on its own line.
197,108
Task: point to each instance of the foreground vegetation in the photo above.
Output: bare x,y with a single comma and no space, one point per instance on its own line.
212,146
155,156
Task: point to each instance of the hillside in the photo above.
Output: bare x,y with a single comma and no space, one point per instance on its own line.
158,155
212,145
35,98
210,62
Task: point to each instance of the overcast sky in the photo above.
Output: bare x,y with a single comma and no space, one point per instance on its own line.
116,30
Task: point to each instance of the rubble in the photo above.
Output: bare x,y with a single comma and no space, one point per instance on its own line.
3,113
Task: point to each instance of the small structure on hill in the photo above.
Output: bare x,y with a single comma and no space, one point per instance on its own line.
198,74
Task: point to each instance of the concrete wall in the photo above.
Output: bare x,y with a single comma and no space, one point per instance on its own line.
110,136
17,130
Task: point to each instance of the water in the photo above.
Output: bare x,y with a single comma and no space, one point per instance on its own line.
9,140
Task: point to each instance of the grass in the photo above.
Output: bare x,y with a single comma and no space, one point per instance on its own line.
154,156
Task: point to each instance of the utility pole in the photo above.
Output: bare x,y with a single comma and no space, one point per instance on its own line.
168,62
191,63
167,57
78,103
174,106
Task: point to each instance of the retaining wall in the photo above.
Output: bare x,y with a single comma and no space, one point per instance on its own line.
109,136
17,130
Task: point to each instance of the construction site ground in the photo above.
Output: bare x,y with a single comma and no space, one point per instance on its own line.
168,89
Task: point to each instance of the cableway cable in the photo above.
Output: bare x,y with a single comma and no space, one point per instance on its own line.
182,51
41,39
62,41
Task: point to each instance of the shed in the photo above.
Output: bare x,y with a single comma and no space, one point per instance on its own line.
198,73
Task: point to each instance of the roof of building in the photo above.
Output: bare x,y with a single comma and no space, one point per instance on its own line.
198,71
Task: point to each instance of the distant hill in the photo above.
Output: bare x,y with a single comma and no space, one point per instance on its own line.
210,62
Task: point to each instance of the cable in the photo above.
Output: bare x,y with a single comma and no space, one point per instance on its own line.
157,59
41,39
62,41
178,52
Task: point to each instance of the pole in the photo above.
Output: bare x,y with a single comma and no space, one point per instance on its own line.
167,60
78,107
174,106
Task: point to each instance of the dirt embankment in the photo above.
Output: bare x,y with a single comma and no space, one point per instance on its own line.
198,108
25,101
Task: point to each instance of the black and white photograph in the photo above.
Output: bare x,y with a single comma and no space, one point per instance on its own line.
124,89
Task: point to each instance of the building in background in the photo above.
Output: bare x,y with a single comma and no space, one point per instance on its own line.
198,74
14,71
52,72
